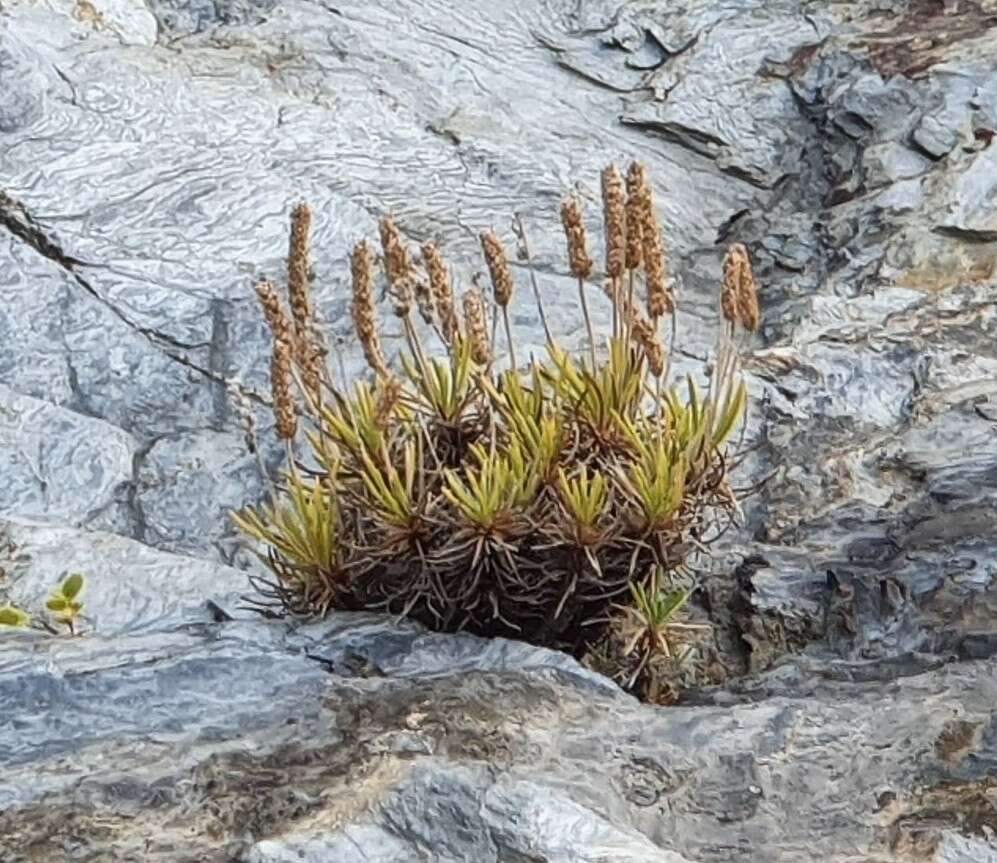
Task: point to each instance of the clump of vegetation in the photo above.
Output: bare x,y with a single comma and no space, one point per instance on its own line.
63,606
559,501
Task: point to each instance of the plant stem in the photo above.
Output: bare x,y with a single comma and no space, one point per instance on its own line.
588,320
521,230
616,307
508,335
630,304
416,344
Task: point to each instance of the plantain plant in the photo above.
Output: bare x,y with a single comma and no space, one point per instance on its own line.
551,502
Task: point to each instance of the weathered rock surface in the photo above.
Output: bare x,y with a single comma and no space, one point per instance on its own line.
149,155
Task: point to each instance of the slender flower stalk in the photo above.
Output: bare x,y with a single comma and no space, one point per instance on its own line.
525,247
614,203
580,262
502,284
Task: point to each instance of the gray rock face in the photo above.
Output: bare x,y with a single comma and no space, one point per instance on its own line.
149,155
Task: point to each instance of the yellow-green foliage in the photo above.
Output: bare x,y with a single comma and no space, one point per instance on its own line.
529,502
63,603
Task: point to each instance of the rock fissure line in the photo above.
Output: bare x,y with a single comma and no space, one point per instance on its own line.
20,224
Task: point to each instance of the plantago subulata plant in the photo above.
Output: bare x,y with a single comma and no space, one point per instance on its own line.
551,501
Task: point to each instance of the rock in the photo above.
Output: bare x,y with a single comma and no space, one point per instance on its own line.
151,154
130,586
60,466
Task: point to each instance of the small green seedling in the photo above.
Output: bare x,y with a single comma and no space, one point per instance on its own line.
63,603
655,609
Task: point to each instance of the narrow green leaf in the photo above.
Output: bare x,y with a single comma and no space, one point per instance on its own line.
72,585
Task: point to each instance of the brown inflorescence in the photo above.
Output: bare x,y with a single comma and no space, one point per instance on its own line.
299,268
277,319
574,231
476,325
659,298
644,335
398,266
730,286
614,203
442,291
307,345
636,180
739,292
747,292
498,267
363,309
283,394
281,360
424,299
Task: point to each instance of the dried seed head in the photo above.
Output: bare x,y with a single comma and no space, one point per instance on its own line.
644,334
655,353
309,357
574,231
398,265
363,309
476,326
299,267
442,291
636,181
498,267
280,384
729,289
614,205
659,298
308,352
739,292
424,299
273,310
243,410
747,291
